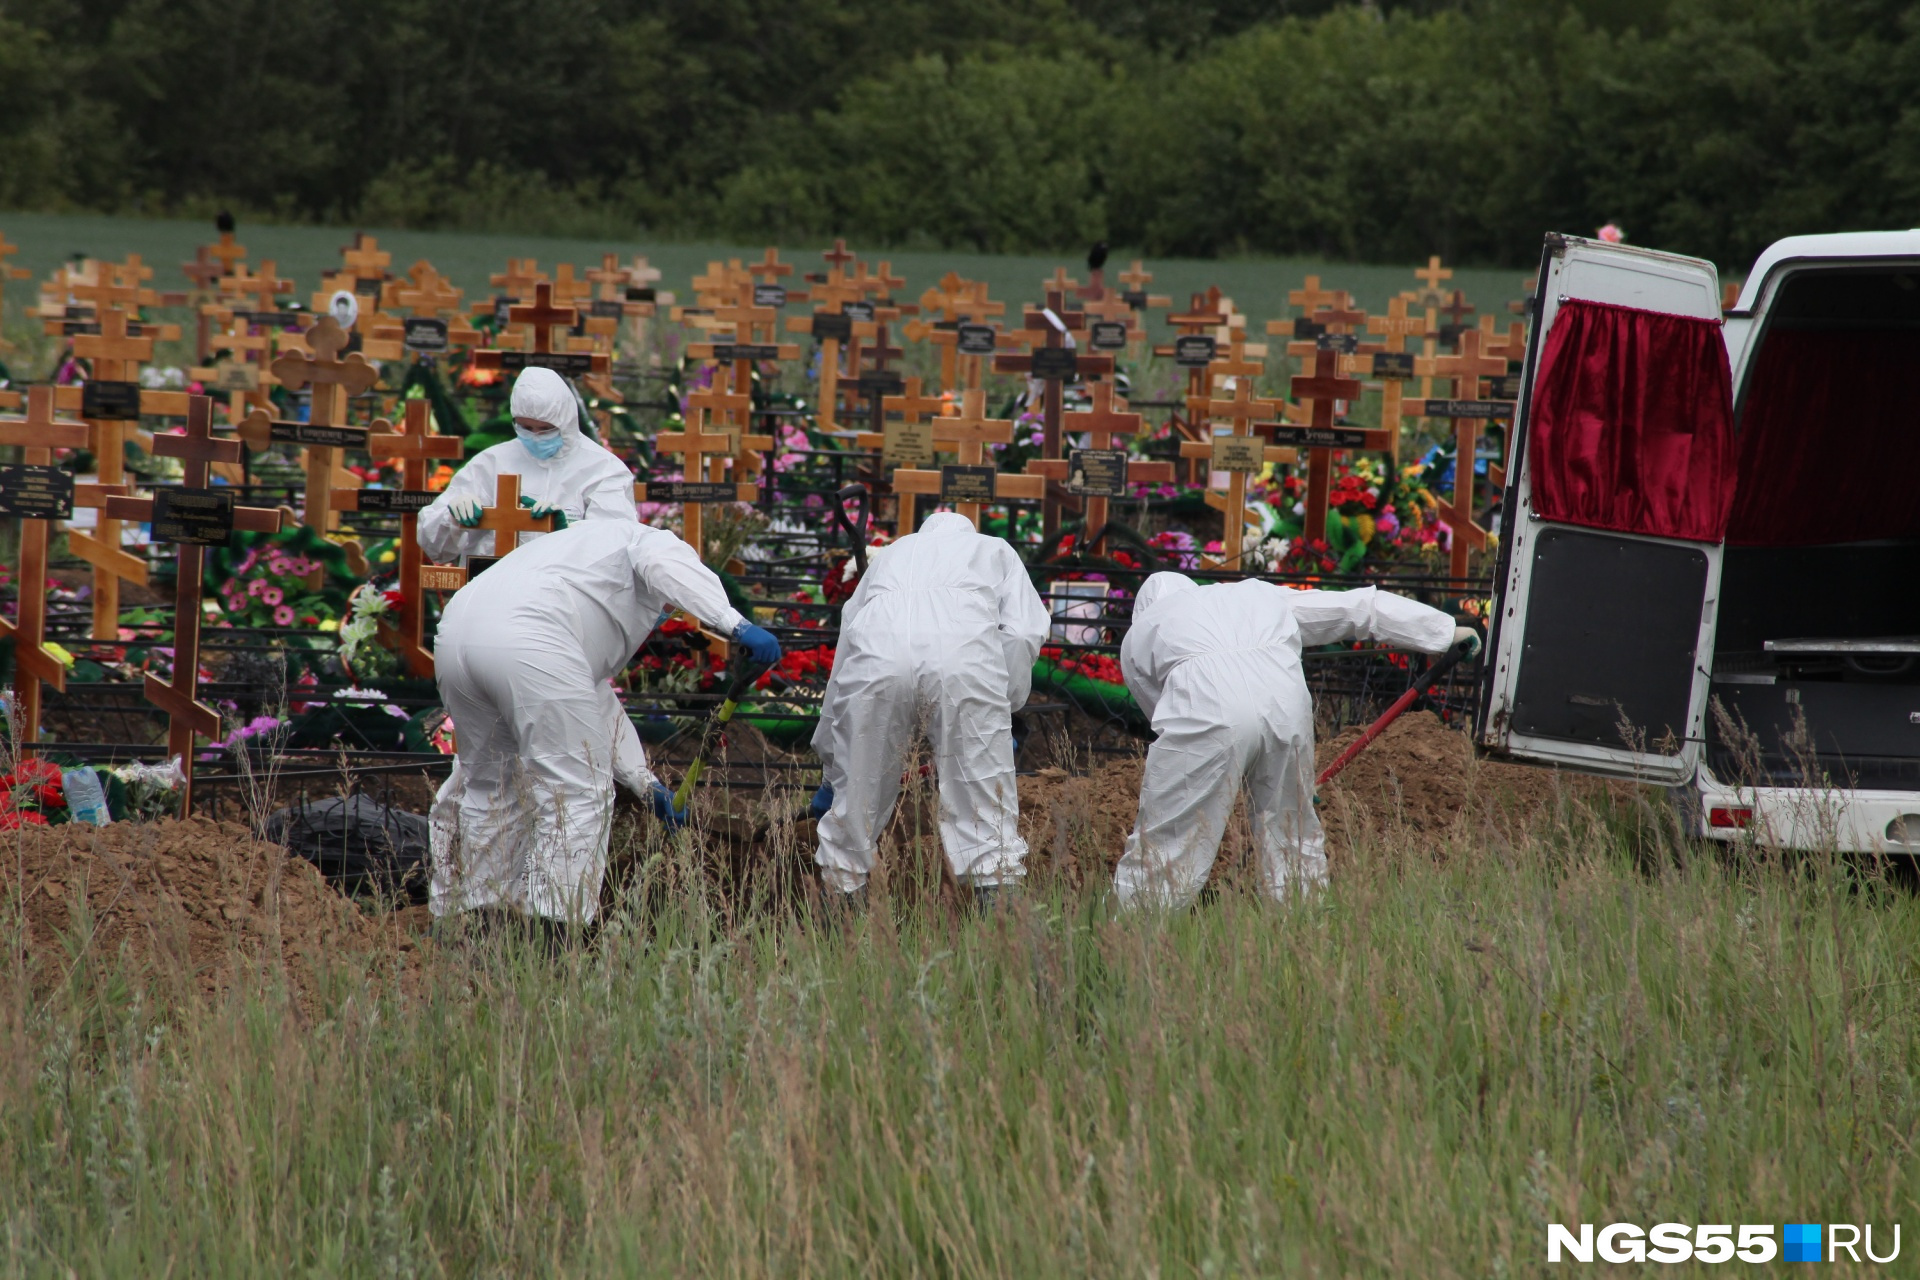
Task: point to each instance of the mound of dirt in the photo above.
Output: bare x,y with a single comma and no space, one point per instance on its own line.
1421,777
195,900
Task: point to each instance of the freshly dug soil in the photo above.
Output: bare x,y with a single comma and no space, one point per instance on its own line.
1421,778
197,901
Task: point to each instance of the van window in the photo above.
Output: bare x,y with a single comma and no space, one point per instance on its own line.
1829,439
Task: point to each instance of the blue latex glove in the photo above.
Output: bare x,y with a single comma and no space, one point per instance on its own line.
541,507
465,511
760,644
671,818
821,803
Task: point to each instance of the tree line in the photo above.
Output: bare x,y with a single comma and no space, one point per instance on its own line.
1379,131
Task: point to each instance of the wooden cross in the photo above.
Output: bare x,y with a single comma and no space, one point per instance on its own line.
1311,297
700,450
427,293
1434,273
1396,327
38,434
333,381
7,250
365,258
414,444
541,317
520,277
1322,390
205,274
187,716
265,285
1059,282
912,406
116,357
1465,369
1457,309
1087,364
969,433
770,270
1241,410
1108,425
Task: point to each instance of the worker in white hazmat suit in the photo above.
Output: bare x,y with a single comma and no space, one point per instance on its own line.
942,631
562,474
1217,671
524,656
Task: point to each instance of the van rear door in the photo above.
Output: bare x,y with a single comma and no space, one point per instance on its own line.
1602,626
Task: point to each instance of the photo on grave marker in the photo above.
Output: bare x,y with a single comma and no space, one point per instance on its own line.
345,307
1097,473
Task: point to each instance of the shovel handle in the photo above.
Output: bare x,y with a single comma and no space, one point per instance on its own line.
1448,661
721,715
861,497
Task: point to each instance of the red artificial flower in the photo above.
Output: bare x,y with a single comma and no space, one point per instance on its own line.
11,820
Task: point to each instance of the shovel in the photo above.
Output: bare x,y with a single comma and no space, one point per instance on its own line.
861,497
1447,662
711,730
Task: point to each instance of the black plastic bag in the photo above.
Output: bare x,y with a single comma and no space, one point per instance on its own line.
359,844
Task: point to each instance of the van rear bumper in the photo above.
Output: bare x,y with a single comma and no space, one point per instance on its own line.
1808,818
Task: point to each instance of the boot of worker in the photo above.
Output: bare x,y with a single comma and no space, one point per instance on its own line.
991,898
841,911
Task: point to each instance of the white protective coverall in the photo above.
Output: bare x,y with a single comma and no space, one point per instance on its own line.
942,630
525,655
583,479
1217,671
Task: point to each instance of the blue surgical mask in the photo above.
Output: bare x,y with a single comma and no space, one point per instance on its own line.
541,444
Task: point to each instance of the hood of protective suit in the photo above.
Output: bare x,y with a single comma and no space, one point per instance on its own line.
544,394
1158,589
947,522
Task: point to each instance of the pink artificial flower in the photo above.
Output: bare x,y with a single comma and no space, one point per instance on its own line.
272,595
255,587
1612,234
283,616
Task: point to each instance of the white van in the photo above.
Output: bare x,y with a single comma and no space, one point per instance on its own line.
1681,533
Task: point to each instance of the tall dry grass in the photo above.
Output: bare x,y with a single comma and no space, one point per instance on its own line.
1408,1075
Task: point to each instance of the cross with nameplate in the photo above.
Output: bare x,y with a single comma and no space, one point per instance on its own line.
1108,426
116,358
414,445
1055,365
1239,453
33,493
1469,414
333,381
972,481
701,450
194,517
904,450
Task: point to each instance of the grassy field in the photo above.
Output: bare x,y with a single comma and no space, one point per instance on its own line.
1408,1076
1258,285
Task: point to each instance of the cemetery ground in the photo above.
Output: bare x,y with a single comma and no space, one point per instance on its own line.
1525,998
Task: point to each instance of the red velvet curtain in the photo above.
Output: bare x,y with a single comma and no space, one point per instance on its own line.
1829,440
1632,423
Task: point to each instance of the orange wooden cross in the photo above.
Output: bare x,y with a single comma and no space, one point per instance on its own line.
1466,369
187,716
365,259
116,358
1395,327
333,380
699,449
37,434
968,434
1434,273
265,286
413,443
1088,365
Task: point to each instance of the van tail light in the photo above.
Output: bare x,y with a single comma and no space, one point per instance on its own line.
1729,818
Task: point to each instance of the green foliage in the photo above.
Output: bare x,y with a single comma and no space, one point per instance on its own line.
1379,130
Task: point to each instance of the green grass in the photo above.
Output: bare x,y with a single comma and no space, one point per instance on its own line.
1407,1076
1258,285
